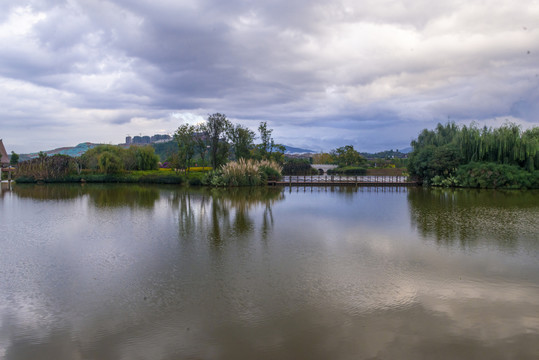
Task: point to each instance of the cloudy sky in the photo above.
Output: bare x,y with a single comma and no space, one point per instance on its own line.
322,73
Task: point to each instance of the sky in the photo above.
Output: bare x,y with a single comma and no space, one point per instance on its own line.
322,74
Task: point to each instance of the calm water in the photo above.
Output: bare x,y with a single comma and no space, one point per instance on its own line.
131,272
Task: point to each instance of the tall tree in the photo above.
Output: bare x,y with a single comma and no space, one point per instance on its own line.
14,159
201,142
347,156
185,137
266,142
215,129
242,140
439,152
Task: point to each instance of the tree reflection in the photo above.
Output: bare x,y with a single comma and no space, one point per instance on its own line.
110,196
48,191
221,214
102,195
470,217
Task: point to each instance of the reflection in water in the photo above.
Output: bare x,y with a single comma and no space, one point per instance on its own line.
130,272
102,195
471,217
221,214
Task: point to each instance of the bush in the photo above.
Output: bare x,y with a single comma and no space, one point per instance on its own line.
196,178
492,176
46,167
109,163
298,167
348,171
270,173
113,159
243,173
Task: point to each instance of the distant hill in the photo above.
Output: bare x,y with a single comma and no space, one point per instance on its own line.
68,150
294,150
388,154
163,149
406,150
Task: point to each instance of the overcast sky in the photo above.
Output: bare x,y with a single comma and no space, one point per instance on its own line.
323,74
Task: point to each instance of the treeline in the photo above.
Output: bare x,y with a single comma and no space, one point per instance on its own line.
352,162
100,164
218,141
113,159
451,155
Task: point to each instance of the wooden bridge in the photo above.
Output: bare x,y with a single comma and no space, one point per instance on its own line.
336,180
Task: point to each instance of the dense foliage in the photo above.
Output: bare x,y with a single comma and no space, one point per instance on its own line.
13,159
111,159
104,163
342,156
221,140
348,171
47,167
469,156
298,167
347,156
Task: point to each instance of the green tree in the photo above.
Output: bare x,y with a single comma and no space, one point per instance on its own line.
185,137
266,140
439,152
201,142
90,159
431,161
14,160
146,158
109,163
242,140
347,156
215,130
268,149
323,158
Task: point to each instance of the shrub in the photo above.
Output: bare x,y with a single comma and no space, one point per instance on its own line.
348,171
243,173
109,163
196,178
492,175
298,167
46,167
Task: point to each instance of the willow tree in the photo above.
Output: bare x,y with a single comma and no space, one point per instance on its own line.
439,152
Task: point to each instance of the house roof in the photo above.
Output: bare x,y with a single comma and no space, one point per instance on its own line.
4,157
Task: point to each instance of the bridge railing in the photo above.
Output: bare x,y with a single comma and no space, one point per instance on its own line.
344,179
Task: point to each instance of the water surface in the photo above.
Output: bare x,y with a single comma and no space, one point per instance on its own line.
143,272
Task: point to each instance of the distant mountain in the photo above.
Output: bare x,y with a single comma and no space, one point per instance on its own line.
388,154
68,150
163,149
406,150
294,150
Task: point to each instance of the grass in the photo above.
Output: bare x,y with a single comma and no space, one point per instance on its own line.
146,177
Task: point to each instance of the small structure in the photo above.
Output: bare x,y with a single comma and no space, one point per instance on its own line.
323,168
4,158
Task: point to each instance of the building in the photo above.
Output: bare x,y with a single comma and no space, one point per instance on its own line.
4,157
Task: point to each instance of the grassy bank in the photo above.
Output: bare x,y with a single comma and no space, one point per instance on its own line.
144,177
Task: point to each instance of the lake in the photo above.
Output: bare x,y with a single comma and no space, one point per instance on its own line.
164,272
